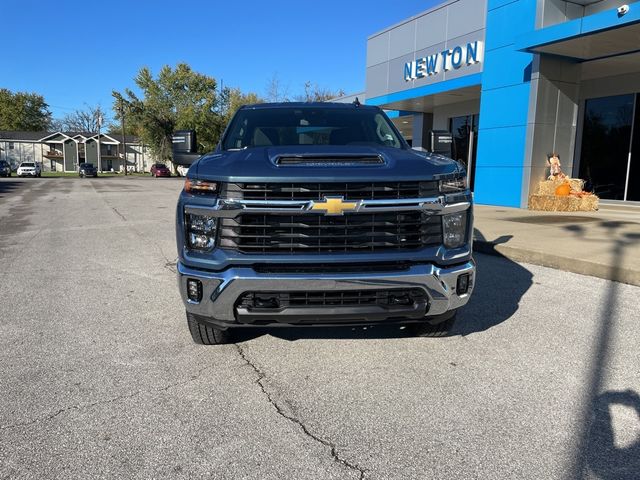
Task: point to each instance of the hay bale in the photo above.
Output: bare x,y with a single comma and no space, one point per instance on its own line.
548,187
553,203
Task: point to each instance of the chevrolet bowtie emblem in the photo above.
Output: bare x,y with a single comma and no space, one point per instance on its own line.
335,206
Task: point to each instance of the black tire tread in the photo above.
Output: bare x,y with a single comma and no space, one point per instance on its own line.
426,329
205,334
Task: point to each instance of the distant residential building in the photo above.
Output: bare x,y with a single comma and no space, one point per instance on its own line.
65,151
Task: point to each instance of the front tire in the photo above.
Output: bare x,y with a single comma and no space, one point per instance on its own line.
203,334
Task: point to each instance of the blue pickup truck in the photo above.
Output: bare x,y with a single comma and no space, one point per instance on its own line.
321,214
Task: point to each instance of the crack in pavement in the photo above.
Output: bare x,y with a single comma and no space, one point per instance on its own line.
334,449
86,406
118,213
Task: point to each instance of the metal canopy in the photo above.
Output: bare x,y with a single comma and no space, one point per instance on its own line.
607,43
428,102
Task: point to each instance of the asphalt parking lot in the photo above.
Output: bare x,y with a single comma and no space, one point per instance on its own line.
99,377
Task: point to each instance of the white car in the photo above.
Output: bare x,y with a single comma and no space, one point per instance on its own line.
29,169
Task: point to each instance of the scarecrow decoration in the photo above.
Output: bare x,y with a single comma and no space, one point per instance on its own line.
560,193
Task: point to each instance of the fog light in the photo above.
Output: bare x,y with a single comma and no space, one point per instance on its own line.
462,285
194,290
454,228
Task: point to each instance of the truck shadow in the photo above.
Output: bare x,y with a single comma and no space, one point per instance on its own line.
500,284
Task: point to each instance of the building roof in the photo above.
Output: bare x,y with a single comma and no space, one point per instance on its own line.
128,138
37,136
25,136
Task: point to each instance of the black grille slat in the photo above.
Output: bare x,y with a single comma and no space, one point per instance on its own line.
309,233
348,298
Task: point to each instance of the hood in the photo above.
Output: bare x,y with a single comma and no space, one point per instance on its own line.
323,164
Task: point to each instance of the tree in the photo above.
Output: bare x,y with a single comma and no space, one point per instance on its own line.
178,98
314,93
276,91
23,111
232,99
81,120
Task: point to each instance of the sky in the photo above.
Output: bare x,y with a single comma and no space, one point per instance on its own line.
75,53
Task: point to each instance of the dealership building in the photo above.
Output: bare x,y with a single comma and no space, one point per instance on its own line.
513,81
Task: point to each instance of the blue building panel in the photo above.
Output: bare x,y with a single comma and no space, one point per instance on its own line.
493,4
504,106
504,67
496,187
609,19
507,22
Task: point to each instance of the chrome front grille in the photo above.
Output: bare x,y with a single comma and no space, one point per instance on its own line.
318,191
314,233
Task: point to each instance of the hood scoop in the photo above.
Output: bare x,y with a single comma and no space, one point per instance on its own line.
328,160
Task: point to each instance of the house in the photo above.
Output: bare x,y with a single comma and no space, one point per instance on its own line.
65,151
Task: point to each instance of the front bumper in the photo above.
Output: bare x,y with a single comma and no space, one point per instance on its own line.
221,291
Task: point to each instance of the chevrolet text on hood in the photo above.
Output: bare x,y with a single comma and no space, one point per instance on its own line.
320,213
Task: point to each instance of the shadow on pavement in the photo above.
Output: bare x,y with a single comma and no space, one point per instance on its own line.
8,185
595,450
500,284
604,458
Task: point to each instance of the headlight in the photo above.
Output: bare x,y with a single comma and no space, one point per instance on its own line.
200,186
454,228
201,231
453,185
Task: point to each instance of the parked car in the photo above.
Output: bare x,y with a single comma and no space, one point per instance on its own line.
5,169
29,169
160,170
87,170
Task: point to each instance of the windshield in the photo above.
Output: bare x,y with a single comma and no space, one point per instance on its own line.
262,127
87,165
27,165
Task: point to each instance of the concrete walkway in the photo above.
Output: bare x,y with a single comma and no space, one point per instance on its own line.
603,244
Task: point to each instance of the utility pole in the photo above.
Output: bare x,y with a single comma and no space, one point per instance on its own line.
124,141
99,122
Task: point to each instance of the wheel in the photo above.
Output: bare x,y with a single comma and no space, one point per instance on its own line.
205,334
426,329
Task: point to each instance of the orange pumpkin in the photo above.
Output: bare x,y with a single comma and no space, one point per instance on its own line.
563,190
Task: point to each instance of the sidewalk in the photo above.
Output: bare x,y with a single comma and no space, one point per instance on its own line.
603,244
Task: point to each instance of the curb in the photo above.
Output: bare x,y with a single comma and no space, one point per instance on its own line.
574,265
